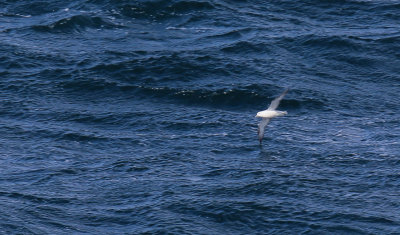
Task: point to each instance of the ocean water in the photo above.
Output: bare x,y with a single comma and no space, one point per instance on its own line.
137,117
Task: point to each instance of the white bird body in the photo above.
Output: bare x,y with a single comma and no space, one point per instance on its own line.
269,113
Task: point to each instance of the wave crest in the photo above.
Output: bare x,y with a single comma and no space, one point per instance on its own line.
225,98
75,23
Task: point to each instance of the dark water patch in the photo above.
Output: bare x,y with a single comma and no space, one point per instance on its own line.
128,166
251,96
174,67
241,213
358,61
19,62
99,219
240,97
65,73
386,6
215,212
189,125
329,42
35,199
77,23
247,47
323,45
389,40
108,119
75,136
358,38
234,173
10,228
216,172
47,132
343,229
86,85
362,218
86,117
168,159
34,8
184,6
163,9
31,61
231,35
323,11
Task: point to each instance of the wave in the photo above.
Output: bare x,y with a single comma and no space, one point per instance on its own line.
177,67
36,199
162,9
81,137
330,42
240,97
75,23
230,35
33,8
247,47
389,40
225,212
387,6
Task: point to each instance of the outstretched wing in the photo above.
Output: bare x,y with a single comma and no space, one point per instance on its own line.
261,128
275,103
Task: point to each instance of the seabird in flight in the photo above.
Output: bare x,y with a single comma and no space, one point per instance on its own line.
269,113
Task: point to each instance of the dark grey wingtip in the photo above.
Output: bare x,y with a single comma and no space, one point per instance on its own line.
286,91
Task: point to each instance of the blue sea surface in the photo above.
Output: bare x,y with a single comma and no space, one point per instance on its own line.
137,117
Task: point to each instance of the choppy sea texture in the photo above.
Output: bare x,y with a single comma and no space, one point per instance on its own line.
137,117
